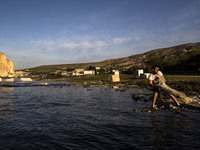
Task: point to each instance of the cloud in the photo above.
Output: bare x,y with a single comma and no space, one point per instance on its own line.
66,46
61,51
121,40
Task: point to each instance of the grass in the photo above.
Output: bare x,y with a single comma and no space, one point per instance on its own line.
173,78
125,78
190,85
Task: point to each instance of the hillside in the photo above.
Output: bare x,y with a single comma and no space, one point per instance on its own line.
181,59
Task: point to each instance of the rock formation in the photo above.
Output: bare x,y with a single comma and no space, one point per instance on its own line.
7,68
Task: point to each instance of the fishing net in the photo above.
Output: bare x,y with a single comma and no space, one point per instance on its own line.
180,95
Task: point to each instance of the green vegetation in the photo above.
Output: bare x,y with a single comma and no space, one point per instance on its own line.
190,85
173,78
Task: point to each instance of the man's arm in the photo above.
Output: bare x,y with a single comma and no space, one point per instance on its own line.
163,79
151,83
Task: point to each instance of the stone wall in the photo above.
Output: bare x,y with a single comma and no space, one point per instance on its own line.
7,68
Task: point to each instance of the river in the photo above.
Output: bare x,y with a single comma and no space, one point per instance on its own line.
55,116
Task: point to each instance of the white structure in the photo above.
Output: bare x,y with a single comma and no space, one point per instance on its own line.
114,77
115,72
26,79
97,68
77,73
89,72
138,72
0,79
9,80
144,75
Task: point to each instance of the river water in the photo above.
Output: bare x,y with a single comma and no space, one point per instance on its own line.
56,116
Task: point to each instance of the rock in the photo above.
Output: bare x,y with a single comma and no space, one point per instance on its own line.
7,68
115,87
123,90
137,97
26,79
9,80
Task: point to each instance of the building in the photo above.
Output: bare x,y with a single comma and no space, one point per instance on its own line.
115,72
138,72
144,76
65,73
89,72
78,72
114,77
97,70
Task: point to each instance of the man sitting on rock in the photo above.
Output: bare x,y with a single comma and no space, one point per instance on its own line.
155,79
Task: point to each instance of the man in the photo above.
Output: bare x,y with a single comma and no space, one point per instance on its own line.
155,78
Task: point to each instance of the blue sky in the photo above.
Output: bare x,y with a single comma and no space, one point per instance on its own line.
42,32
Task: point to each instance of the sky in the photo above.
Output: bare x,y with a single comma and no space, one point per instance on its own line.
44,32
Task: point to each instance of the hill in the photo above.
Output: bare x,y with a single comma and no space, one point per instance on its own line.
181,59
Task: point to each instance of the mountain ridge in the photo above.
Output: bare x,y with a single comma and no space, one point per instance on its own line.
177,59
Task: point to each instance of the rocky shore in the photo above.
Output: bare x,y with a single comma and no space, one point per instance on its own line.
191,89
188,85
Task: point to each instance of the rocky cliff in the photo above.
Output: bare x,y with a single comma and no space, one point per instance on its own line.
7,68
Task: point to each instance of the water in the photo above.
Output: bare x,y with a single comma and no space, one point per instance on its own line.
74,117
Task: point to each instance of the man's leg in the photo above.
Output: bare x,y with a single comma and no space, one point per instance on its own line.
154,99
172,96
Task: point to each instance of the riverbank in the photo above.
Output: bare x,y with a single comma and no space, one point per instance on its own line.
189,85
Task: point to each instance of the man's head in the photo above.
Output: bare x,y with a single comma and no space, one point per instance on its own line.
155,69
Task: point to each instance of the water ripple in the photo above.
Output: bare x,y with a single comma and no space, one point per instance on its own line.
73,117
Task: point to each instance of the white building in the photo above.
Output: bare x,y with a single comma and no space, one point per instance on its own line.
89,72
115,72
97,68
138,72
77,73
144,75
114,77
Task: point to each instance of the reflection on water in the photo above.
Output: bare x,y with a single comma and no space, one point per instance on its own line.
74,117
5,101
171,131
